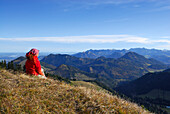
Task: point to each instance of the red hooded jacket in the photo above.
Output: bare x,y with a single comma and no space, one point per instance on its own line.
33,66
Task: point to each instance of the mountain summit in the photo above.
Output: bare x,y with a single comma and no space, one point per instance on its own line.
133,56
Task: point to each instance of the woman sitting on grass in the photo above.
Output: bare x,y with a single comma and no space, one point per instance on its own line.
32,64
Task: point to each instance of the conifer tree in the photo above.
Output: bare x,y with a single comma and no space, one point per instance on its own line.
9,65
5,65
12,65
18,67
2,64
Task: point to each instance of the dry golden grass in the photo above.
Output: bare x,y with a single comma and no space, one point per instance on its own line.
87,85
20,93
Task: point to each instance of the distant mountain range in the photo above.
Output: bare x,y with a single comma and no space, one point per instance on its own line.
110,71
160,55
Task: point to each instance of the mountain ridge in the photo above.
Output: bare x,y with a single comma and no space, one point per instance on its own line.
160,55
109,68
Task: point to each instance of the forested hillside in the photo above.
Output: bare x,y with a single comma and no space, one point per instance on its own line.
147,83
150,89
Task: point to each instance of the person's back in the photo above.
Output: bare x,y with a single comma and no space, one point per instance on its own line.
32,64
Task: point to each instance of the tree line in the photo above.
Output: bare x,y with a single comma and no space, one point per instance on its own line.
10,65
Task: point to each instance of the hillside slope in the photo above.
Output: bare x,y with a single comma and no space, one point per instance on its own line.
73,73
147,83
21,93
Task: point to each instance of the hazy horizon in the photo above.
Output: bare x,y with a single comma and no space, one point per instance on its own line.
82,51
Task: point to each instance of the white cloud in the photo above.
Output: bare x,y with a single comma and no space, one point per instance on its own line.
162,8
91,39
164,47
166,37
85,39
162,41
117,20
99,2
159,5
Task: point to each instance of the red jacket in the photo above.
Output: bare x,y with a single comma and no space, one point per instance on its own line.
33,66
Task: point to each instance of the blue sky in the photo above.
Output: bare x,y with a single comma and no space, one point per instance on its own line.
61,26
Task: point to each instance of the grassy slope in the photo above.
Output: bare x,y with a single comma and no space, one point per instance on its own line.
22,93
89,85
